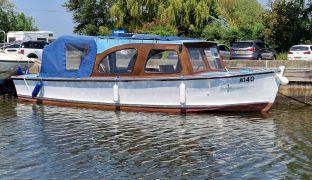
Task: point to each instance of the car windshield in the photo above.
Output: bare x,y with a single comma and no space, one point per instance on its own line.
13,46
34,45
299,48
242,44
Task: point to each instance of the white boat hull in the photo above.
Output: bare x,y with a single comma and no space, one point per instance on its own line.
239,92
9,64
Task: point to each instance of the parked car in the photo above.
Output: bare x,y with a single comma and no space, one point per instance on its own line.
30,49
253,50
224,51
12,47
300,52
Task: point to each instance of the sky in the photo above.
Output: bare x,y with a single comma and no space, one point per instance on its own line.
49,15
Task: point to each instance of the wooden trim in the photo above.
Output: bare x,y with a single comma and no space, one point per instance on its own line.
243,107
163,73
142,55
99,57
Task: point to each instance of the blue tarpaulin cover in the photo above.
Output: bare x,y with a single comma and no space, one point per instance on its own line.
54,57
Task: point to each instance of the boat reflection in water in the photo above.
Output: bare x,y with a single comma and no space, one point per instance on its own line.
39,142
146,73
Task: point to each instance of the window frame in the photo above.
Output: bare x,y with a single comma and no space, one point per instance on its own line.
202,46
206,59
82,57
113,74
159,49
203,57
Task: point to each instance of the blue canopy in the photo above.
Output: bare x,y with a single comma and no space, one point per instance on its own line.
73,56
69,56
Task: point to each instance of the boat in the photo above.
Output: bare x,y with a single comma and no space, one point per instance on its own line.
11,63
145,73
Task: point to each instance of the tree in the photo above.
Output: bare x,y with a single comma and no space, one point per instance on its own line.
179,13
238,20
93,17
97,16
13,21
287,23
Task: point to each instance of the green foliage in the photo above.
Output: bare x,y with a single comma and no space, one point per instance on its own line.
159,27
284,23
90,15
23,23
282,56
228,35
287,23
231,35
240,13
194,32
243,22
12,21
104,31
213,32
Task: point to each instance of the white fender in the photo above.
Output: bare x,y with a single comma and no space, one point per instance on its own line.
182,93
279,74
116,93
283,80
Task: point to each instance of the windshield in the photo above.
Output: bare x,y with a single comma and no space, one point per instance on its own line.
242,44
299,48
213,58
205,58
34,45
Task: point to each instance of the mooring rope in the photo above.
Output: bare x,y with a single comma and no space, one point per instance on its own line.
308,104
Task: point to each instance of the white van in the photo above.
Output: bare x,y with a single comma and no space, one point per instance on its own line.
22,36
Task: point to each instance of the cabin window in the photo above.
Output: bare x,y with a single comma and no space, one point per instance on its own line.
163,61
75,55
118,62
213,58
197,59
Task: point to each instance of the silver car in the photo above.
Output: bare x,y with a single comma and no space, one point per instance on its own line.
253,50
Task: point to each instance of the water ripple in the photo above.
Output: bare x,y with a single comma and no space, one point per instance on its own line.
50,142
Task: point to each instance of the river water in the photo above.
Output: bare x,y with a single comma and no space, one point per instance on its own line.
49,142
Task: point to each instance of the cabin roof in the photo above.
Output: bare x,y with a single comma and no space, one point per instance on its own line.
105,42
74,55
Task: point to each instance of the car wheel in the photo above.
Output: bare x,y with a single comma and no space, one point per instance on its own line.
274,58
259,58
32,56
